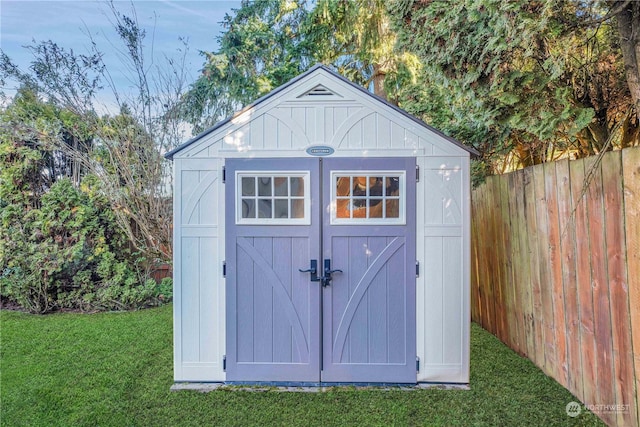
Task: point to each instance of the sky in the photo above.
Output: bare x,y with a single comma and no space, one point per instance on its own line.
67,22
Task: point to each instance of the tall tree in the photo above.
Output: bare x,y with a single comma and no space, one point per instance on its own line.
355,36
260,49
267,43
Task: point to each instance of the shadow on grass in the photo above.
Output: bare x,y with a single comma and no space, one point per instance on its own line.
115,369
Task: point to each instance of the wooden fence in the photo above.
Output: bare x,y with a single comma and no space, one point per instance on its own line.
556,274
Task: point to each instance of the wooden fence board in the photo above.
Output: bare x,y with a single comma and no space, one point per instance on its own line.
568,254
544,272
583,279
485,280
490,252
487,288
536,292
619,297
600,289
516,265
517,273
509,291
530,290
558,329
498,248
524,282
631,178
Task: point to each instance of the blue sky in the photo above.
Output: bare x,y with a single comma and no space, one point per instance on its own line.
66,23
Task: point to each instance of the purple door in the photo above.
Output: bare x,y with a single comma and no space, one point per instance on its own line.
352,325
369,306
273,310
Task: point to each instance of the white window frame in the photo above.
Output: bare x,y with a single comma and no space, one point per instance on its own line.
305,220
402,197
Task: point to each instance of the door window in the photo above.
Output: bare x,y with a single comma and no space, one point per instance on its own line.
368,198
272,198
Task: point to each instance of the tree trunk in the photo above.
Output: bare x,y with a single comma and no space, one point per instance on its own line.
629,29
378,82
630,131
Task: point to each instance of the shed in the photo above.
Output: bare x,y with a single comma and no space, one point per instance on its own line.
321,235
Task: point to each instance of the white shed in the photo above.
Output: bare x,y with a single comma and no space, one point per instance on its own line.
321,235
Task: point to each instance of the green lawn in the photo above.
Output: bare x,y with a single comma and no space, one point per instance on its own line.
115,369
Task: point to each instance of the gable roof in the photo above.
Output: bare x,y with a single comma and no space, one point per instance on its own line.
303,76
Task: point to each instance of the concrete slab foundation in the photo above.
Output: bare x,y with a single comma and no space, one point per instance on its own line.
207,387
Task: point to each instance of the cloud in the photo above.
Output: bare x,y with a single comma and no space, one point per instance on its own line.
187,10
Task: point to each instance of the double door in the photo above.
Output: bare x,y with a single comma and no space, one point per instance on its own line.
320,270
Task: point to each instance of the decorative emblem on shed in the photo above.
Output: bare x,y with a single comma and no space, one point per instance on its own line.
320,150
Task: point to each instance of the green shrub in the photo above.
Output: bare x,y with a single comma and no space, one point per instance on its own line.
69,253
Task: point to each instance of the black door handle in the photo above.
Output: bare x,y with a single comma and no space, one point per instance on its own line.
326,278
313,269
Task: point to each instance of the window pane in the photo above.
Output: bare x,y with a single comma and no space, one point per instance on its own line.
392,186
281,186
359,203
342,208
375,208
248,186
375,184
297,208
264,208
264,186
393,208
359,186
281,208
248,208
343,187
359,208
297,186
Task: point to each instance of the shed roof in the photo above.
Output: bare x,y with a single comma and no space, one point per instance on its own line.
306,75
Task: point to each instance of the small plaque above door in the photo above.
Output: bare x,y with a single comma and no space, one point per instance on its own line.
320,150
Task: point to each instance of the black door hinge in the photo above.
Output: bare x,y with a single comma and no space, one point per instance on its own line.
224,363
224,268
224,174
417,364
417,268
417,173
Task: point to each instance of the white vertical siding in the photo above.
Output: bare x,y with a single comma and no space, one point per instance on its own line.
258,132
383,126
443,288
198,282
370,132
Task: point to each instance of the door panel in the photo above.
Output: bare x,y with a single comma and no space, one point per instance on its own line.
363,305
369,308
273,319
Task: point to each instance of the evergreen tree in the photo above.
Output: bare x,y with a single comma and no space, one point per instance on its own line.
526,78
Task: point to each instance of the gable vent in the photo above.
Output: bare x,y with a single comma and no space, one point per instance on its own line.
319,90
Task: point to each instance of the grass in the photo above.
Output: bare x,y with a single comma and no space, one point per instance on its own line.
115,369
